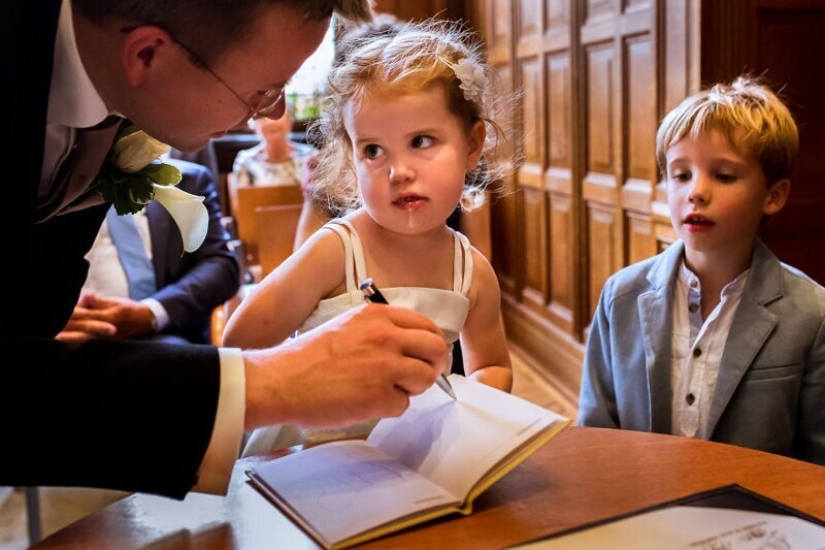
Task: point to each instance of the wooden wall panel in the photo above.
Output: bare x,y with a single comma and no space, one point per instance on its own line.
595,78
535,291
561,307
563,302
639,124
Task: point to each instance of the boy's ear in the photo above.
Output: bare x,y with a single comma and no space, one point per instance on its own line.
475,143
777,196
143,48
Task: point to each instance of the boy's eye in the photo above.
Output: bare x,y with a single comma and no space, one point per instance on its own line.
680,176
726,178
419,142
372,151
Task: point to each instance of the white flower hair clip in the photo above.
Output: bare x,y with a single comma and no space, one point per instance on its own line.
471,77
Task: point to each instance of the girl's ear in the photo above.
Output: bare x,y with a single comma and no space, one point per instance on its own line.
777,196
143,49
475,144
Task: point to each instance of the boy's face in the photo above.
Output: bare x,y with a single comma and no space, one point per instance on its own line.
717,194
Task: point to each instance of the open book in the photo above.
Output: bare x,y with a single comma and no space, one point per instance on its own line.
433,460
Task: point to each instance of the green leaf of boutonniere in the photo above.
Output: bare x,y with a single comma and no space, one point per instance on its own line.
131,168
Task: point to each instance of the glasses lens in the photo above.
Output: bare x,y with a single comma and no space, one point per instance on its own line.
268,102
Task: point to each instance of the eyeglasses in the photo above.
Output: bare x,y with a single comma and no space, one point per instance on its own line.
264,107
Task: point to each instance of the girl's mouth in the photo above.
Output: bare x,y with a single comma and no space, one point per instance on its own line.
410,202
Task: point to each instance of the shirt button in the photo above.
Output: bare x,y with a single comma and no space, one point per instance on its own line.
690,398
697,352
693,308
694,283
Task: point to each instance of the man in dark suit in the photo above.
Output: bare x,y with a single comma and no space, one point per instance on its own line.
183,75
187,286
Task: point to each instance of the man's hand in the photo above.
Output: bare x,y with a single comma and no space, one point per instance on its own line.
98,317
360,365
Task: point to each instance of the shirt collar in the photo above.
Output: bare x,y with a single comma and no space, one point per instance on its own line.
689,279
73,99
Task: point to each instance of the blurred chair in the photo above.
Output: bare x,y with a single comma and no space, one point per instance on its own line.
276,225
33,523
276,233
242,204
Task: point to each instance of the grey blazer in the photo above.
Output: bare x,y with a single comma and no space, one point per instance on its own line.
770,394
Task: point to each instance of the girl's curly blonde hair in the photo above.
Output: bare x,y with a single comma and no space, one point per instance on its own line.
403,59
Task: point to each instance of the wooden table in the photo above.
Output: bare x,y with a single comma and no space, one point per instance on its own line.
583,475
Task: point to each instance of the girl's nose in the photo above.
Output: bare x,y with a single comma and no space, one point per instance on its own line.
401,171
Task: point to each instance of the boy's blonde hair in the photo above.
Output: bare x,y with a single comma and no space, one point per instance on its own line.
402,59
748,113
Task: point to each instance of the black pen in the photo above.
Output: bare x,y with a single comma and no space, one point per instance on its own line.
374,295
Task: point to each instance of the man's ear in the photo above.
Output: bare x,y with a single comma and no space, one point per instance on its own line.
144,47
475,143
777,197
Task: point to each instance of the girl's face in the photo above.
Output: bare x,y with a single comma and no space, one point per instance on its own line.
410,155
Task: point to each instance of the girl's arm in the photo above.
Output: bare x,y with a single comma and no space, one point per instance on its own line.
483,342
280,304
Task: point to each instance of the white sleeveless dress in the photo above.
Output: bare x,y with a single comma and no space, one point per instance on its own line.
447,308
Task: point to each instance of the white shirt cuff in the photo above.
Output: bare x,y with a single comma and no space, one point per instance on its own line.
161,317
224,446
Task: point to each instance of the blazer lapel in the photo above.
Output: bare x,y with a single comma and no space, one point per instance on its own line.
656,316
751,327
72,187
160,234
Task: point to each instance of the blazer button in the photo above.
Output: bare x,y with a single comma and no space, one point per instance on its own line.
697,352
690,398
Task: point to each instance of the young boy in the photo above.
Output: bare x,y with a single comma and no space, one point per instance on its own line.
714,338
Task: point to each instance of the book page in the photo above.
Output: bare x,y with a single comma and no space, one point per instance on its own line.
693,528
455,443
344,488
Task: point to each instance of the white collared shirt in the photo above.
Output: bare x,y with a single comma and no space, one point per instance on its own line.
106,274
73,100
697,348
75,103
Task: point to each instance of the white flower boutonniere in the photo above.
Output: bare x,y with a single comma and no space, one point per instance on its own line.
133,176
471,77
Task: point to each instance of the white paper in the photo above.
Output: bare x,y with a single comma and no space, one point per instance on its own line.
345,488
454,443
694,528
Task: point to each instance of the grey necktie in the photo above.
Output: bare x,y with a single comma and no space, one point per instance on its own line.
140,273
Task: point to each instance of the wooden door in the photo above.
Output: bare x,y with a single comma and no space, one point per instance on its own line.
782,40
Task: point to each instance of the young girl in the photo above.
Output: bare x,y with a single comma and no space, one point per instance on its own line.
410,134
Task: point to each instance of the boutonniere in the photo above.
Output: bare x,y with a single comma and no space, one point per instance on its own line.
133,175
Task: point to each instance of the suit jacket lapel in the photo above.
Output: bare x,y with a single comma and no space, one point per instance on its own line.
656,316
71,189
751,327
159,233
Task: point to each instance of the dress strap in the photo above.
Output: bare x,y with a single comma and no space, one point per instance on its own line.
349,260
356,269
462,264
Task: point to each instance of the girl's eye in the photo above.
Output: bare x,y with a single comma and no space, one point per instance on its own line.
420,142
372,151
726,178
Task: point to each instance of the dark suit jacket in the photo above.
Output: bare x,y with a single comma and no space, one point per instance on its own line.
134,416
190,285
